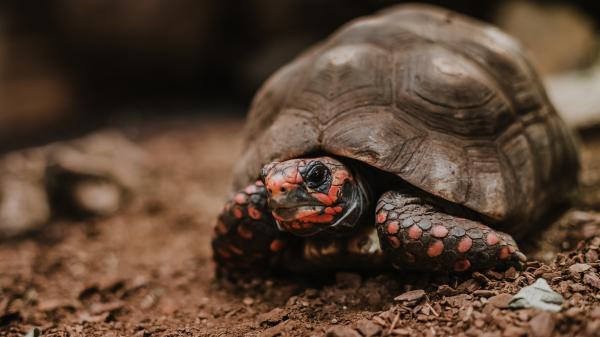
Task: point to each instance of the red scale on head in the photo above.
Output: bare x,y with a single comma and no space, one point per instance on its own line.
317,218
302,205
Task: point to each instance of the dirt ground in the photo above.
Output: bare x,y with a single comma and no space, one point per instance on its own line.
148,272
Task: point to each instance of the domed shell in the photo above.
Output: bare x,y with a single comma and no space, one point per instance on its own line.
447,103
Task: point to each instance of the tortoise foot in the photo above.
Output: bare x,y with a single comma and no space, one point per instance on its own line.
417,235
246,238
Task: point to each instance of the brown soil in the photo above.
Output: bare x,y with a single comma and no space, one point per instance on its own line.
148,270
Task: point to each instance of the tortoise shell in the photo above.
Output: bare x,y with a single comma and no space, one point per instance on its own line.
447,103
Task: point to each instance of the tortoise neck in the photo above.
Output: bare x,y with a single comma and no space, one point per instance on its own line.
359,210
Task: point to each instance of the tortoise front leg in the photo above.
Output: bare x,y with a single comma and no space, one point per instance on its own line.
417,235
246,238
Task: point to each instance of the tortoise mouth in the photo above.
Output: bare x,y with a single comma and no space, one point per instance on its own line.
296,212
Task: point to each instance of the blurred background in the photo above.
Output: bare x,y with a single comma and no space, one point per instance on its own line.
70,66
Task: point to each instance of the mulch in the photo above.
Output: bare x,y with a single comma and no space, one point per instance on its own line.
147,271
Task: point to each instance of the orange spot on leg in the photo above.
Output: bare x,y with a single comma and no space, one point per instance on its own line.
492,239
221,228
381,217
414,232
392,227
462,265
277,245
236,250
435,248
237,213
245,232
504,253
464,245
254,213
223,252
394,241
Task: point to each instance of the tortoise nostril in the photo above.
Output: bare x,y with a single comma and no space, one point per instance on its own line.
282,189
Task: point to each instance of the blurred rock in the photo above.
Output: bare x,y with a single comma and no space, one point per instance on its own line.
539,295
572,95
564,43
92,176
559,36
342,331
35,94
23,202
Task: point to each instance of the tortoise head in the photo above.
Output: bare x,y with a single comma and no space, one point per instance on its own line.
309,195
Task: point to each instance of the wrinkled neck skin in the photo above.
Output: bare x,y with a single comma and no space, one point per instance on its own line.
358,207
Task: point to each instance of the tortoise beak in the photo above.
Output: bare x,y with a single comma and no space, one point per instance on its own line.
290,214
293,204
292,199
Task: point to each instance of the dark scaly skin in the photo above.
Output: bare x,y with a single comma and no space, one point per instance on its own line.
246,238
417,235
415,231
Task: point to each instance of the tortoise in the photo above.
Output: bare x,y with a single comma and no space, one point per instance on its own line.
416,138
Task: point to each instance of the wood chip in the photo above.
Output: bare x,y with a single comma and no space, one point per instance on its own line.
579,267
368,328
99,308
514,331
501,301
592,279
446,290
411,296
342,331
542,325
485,293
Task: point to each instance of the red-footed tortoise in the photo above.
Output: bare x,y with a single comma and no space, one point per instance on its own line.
416,138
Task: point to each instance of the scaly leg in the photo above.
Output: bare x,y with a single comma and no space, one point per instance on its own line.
417,235
246,238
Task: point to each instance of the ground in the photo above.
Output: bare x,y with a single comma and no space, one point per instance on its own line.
148,271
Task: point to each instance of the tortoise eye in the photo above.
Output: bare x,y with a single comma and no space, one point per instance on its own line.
317,175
